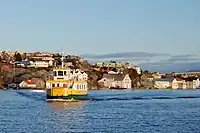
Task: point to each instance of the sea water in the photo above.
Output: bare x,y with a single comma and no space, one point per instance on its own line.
166,111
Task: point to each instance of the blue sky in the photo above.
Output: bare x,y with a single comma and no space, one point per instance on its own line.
101,26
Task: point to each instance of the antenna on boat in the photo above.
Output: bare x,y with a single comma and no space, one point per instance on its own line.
62,59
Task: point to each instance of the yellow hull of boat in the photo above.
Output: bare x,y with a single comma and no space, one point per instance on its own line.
61,91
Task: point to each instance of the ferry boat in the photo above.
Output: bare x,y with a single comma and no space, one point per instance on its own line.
64,88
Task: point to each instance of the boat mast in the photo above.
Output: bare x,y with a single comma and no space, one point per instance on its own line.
62,60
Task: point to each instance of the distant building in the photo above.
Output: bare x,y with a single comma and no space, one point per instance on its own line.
173,83
27,84
116,81
162,83
37,64
156,75
177,83
78,74
22,63
112,64
40,57
112,72
192,82
68,64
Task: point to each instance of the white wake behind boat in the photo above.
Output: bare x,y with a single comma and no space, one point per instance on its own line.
61,100
40,91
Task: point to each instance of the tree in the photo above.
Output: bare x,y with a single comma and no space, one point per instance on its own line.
146,71
59,62
112,61
57,55
18,57
24,56
133,76
132,73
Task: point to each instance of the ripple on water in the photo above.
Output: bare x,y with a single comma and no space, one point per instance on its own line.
114,111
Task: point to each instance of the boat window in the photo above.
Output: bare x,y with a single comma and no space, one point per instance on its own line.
65,73
53,85
60,73
54,73
77,86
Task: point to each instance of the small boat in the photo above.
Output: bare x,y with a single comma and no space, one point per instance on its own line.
64,88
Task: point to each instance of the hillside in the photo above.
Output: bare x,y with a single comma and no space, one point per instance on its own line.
41,75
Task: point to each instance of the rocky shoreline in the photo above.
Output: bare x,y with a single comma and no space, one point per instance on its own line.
40,76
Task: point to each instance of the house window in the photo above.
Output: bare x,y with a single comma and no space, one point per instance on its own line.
60,73
65,73
54,73
57,85
53,85
77,86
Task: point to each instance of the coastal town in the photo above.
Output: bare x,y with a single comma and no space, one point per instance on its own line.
32,70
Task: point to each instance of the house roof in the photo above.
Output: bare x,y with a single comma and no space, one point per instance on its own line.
23,62
66,81
178,79
190,78
116,77
163,79
29,82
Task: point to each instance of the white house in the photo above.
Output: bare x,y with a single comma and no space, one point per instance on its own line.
68,64
78,74
112,72
27,84
84,76
162,82
197,83
173,83
116,81
39,64
192,82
